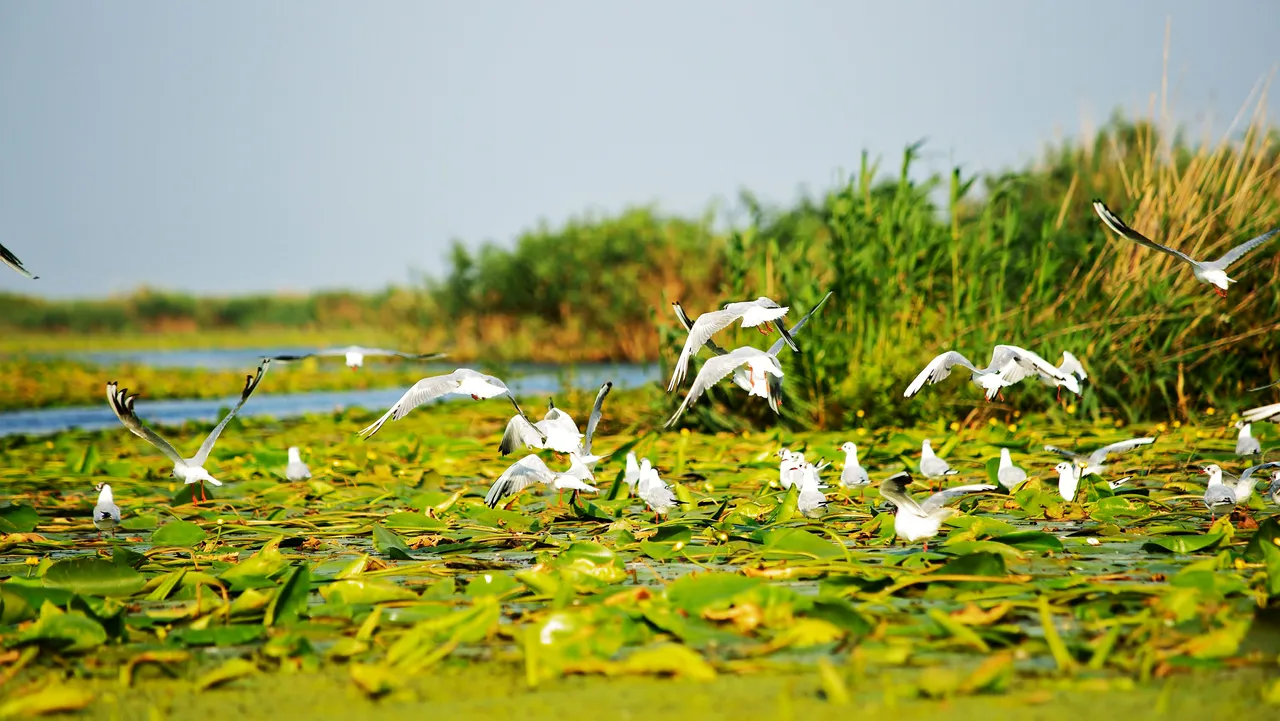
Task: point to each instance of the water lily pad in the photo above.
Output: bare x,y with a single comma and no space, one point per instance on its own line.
94,577
182,534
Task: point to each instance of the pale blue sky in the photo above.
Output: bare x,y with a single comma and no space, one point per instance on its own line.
225,147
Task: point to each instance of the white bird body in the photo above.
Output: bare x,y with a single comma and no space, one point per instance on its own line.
853,474
531,469
1068,480
1213,272
1094,463
715,370
916,521
1246,444
462,381
810,500
1008,474
750,313
106,515
632,474
353,355
296,470
557,430
931,466
990,379
1241,488
1018,363
1218,496
651,489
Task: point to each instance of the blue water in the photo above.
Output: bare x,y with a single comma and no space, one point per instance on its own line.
523,379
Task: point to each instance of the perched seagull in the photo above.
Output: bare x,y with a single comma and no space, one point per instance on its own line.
354,355
915,520
531,469
106,515
1274,490
759,365
792,470
1246,444
1009,475
1242,488
188,470
655,493
991,379
784,467
1213,272
1018,363
853,474
741,376
931,466
296,470
1218,496
463,381
759,312
556,431
1262,413
12,261
1068,480
811,501
1093,463
632,475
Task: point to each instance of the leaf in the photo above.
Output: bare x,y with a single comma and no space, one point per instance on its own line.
670,659
787,509
797,542
357,591
1031,541
232,635
840,613
695,593
975,564
1268,533
375,680
592,560
1182,544
94,577
291,600
179,534
17,518
64,631
256,570
492,584
833,685
50,699
229,671
388,543
414,522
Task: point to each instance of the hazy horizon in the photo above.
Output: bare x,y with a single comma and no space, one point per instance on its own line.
261,148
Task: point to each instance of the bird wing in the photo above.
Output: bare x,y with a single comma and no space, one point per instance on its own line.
1248,472
776,348
594,419
894,488
1101,454
1065,453
1071,366
1263,388
1113,221
938,369
707,325
711,373
397,353
519,433
942,498
1025,363
522,474
688,326
122,403
12,261
1261,413
250,385
424,390
1238,252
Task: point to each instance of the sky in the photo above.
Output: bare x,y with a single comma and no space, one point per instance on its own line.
235,147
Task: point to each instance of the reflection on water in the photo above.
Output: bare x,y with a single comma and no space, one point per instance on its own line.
523,379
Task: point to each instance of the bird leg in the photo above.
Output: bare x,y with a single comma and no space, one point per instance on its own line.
1221,293
926,546
559,498
1000,394
1059,394
475,397
763,328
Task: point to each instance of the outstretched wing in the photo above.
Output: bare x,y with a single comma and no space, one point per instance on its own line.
1238,252
1065,453
1262,413
519,433
1113,221
777,345
424,390
594,419
707,325
122,403
1248,472
894,488
12,261
942,498
522,474
1025,363
712,372
1101,454
400,354
938,369
1263,388
688,326
1071,366
250,385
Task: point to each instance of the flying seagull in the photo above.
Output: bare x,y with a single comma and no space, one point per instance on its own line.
759,365
188,470
463,381
556,431
354,355
753,313
1093,462
531,469
915,520
12,261
991,379
1212,272
1018,363
1262,413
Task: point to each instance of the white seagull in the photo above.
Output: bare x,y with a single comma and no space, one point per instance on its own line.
853,474
1068,480
531,469
1246,444
759,365
631,476
296,470
931,466
759,312
991,379
556,431
1008,474
1274,490
188,470
1242,487
463,381
1262,413
1212,272
354,355
12,261
1093,462
1018,363
741,376
106,515
810,501
914,520
655,493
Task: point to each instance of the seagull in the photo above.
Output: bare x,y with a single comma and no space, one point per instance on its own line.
759,365
991,379
631,476
931,466
106,515
785,466
12,261
1068,480
1018,363
791,471
531,469
1218,496
1242,488
810,501
354,355
296,470
1093,463
556,431
741,376
853,474
1213,272
1262,413
1274,490
1246,444
915,520
759,312
655,493
463,381
188,470
1009,475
